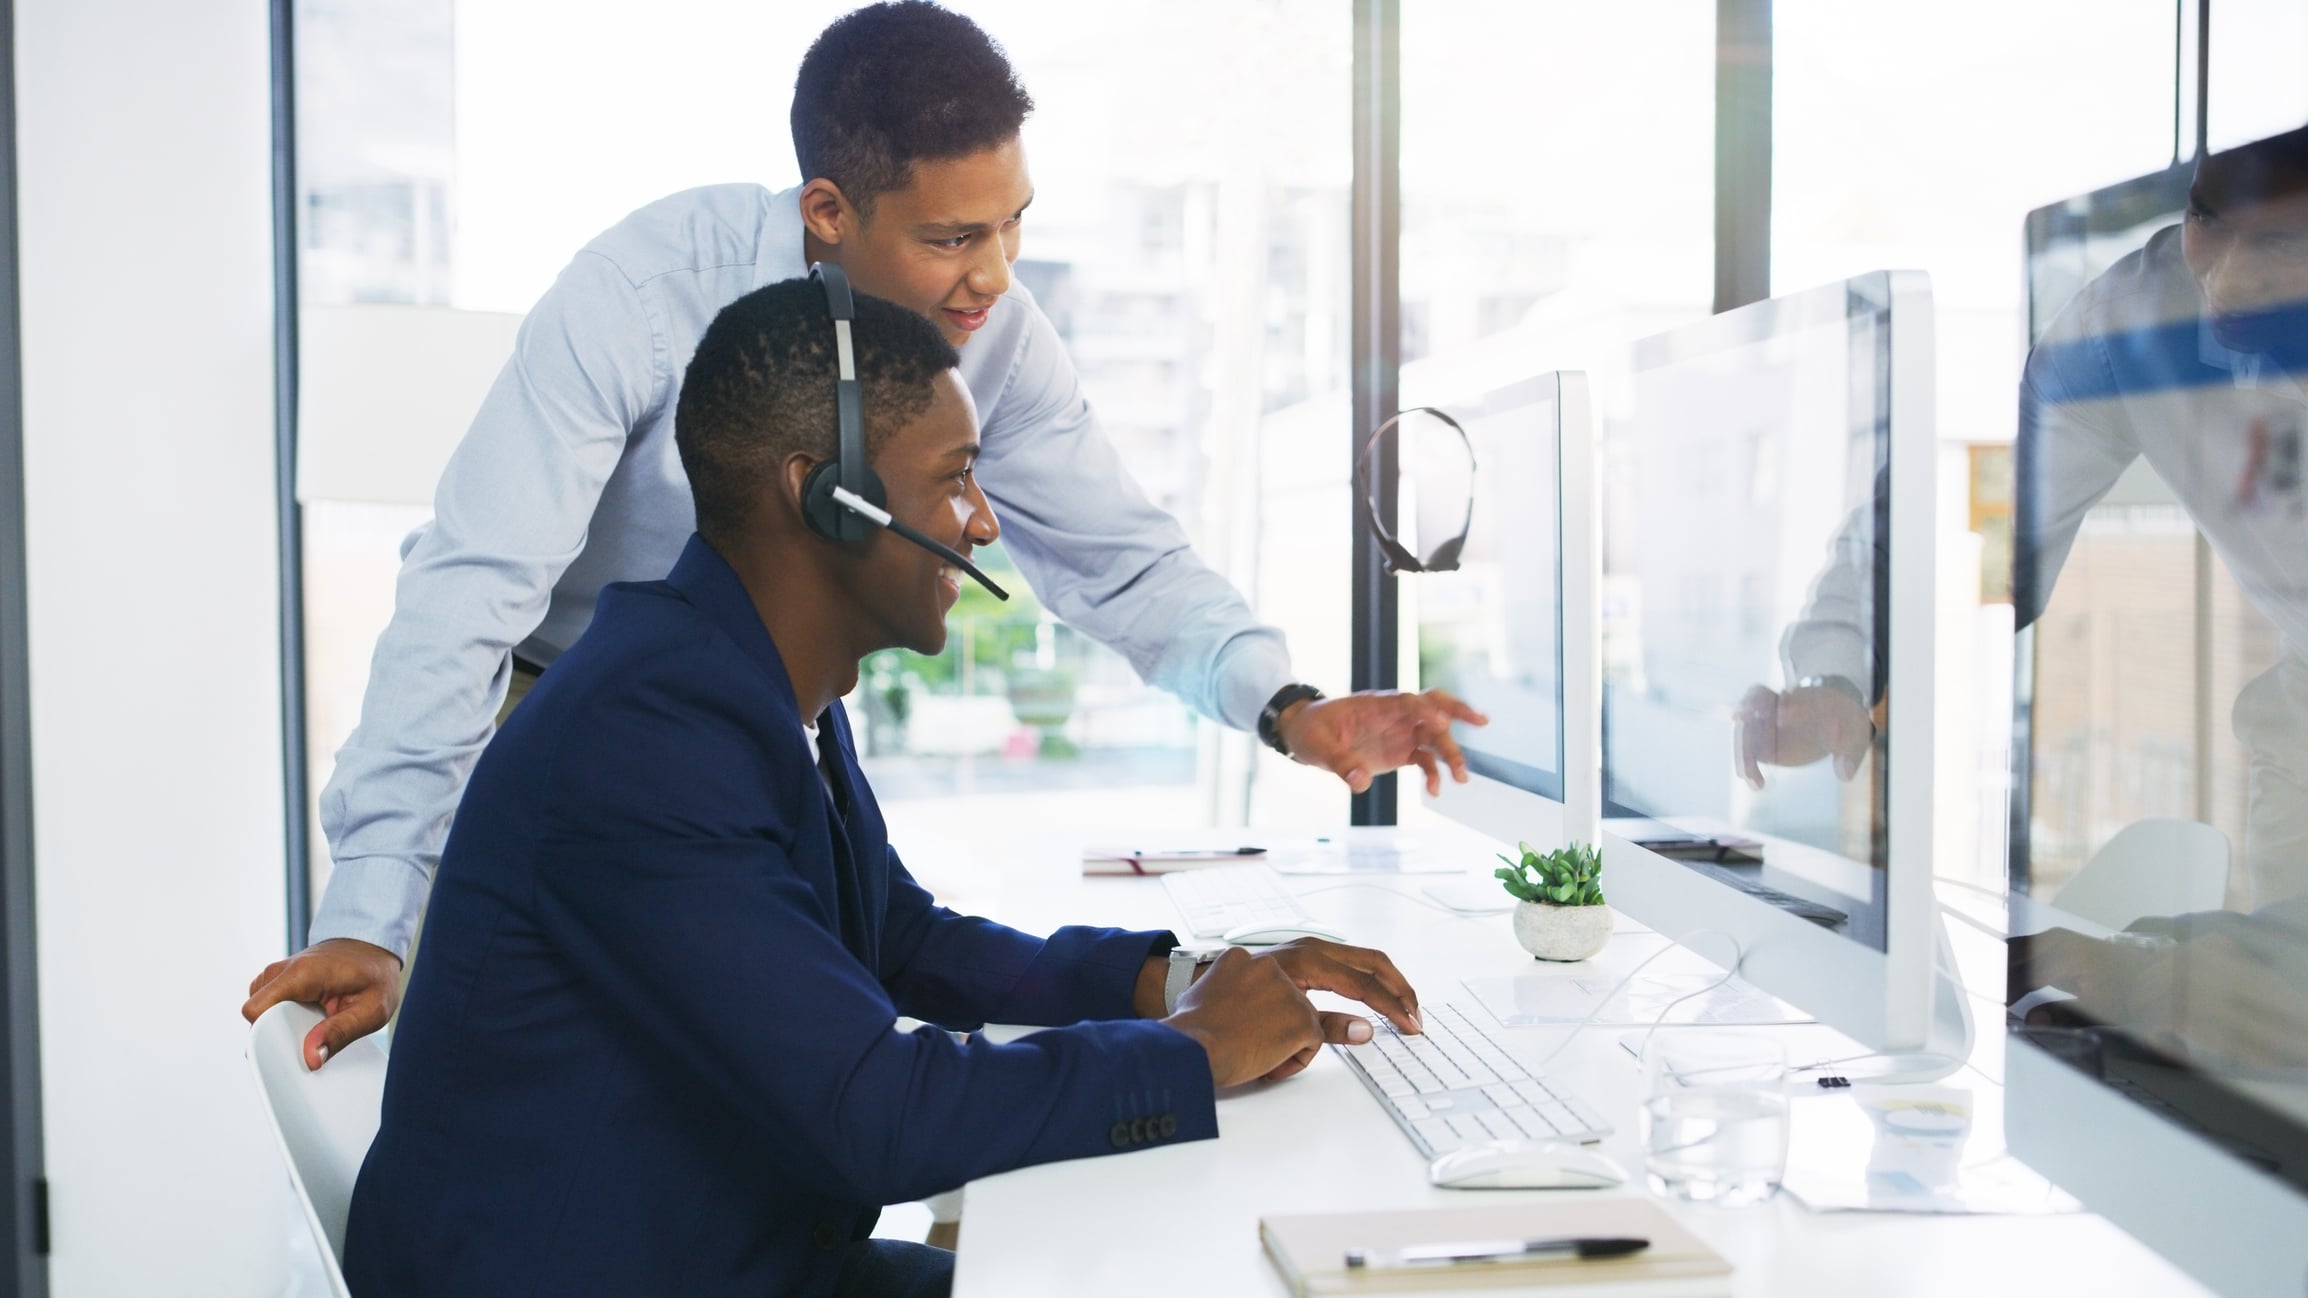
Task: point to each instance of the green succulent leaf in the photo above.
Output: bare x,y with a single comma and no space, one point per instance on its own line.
1568,876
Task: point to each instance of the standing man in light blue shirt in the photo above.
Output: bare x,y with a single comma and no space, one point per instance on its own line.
906,120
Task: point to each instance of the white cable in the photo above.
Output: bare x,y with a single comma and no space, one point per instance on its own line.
1730,971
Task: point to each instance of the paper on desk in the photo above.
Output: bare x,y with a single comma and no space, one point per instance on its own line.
1548,1000
1929,1149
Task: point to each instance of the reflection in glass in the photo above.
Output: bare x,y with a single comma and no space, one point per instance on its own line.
2161,576
1742,570
1433,468
1491,631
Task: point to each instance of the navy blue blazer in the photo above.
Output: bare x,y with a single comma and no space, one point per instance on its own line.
649,1045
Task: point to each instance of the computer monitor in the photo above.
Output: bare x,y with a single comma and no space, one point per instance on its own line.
1511,630
2170,1094
1767,494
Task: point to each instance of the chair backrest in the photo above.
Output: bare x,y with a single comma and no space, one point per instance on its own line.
2160,866
325,1120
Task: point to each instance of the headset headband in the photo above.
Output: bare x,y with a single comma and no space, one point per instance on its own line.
1445,556
849,405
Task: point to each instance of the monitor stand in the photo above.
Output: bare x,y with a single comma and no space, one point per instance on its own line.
1947,1046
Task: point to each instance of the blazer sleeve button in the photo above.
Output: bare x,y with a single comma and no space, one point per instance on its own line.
1120,1135
1168,1126
1137,1131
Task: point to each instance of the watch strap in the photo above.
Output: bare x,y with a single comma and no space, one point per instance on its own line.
1270,716
1184,960
1843,685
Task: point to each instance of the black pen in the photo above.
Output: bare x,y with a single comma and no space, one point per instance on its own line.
1492,1250
1187,853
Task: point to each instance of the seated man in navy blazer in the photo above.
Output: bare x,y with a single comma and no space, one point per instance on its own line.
649,1046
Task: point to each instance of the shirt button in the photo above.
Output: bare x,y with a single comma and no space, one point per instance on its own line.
1120,1135
827,1236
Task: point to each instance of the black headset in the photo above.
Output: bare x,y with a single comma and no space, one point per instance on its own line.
1444,556
842,499
826,515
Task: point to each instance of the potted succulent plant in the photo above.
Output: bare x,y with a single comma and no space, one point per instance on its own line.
1562,915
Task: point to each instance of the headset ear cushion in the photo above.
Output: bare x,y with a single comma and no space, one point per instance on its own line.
819,509
828,517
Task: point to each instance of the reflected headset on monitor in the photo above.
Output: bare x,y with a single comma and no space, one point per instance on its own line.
843,498
1445,556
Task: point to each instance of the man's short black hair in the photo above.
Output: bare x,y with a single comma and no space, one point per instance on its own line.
2263,170
894,84
761,388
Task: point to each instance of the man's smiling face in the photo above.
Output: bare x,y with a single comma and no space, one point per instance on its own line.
2246,243
943,243
928,470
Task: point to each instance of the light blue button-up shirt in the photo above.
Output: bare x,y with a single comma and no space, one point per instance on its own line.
568,480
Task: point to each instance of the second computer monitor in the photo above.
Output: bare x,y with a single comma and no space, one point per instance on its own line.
1766,510
1511,629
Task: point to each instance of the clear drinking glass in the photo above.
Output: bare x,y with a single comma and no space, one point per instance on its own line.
1714,1121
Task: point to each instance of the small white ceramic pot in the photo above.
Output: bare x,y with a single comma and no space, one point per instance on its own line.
1561,932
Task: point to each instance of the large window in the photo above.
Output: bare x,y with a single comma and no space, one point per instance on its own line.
456,155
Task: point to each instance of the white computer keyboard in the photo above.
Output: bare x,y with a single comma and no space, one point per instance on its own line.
1452,1085
1224,897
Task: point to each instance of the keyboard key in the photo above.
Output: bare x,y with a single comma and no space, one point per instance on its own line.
1454,1084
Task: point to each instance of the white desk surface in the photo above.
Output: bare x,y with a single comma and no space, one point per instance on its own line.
1184,1218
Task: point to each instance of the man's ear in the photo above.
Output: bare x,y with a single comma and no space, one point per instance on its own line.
825,213
792,474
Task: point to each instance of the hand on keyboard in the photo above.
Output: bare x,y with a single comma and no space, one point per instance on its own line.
1251,1018
1354,972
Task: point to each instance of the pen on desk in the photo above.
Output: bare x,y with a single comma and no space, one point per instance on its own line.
1492,1250
1192,853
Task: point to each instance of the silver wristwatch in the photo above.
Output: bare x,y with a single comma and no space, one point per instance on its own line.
1184,960
1843,685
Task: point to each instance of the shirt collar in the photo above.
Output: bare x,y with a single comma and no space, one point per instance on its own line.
2210,350
780,254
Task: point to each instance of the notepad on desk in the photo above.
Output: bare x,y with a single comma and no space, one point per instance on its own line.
1311,1251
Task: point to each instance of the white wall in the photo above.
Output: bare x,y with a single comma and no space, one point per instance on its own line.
144,195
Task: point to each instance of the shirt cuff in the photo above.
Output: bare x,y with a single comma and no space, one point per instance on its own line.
1253,668
1828,649
377,900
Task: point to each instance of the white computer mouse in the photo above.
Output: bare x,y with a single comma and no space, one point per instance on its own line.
1269,932
1525,1165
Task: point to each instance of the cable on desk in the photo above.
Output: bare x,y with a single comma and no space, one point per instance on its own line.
1738,957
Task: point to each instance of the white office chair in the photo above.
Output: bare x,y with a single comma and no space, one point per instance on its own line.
2161,866
325,1120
